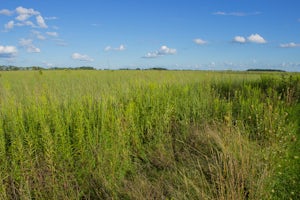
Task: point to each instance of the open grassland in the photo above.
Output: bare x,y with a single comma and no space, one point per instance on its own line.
149,135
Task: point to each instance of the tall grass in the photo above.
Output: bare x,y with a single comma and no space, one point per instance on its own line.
147,135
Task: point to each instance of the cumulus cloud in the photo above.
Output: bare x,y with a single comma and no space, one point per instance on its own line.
163,50
33,49
200,41
25,13
289,45
151,55
8,51
120,48
38,35
23,18
29,46
9,25
256,38
41,22
108,48
26,23
51,18
236,14
239,39
253,38
81,57
53,34
6,12
25,42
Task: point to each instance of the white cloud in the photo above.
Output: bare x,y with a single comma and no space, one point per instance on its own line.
55,27
22,18
95,24
151,55
81,57
27,43
61,42
200,41
33,49
41,22
47,64
53,34
289,65
9,25
6,12
289,45
25,13
51,18
38,35
120,48
8,51
236,14
239,39
108,48
163,50
219,13
253,38
256,38
26,23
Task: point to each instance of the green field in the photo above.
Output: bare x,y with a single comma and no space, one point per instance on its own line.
149,135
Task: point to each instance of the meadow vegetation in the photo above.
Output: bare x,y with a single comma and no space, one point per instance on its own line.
149,135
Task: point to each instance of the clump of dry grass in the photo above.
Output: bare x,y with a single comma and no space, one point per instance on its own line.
214,162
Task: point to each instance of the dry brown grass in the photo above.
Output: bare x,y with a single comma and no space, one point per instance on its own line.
214,162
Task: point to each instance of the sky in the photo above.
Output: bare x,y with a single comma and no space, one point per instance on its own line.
175,34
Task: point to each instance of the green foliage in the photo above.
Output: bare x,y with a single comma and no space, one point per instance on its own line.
148,135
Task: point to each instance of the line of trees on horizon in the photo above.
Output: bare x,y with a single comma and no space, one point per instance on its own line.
33,68
16,68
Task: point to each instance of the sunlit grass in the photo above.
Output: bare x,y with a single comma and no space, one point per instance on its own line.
148,135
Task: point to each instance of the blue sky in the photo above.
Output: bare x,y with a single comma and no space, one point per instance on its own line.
176,34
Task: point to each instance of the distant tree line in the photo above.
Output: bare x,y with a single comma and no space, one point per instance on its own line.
265,70
32,68
157,68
